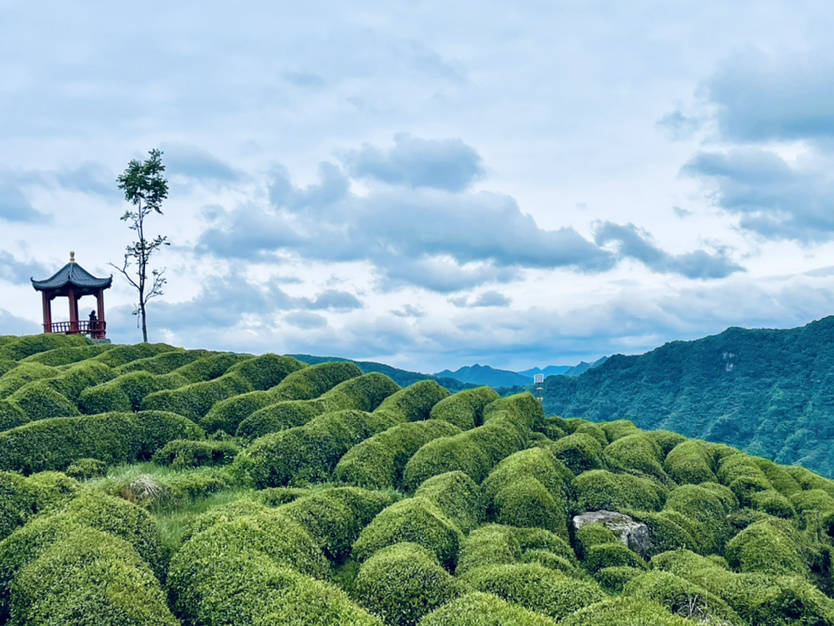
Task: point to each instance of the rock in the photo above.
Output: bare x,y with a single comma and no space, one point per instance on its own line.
633,534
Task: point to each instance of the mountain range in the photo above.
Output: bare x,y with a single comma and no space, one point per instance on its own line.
497,378
767,392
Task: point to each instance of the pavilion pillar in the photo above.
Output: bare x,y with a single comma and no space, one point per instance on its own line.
102,330
47,312
73,309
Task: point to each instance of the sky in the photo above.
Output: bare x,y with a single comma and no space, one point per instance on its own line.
427,184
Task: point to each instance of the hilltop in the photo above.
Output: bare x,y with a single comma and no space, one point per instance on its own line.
767,392
149,484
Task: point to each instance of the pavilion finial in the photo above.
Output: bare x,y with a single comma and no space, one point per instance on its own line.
72,256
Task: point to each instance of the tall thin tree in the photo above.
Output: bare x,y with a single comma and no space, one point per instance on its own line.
145,187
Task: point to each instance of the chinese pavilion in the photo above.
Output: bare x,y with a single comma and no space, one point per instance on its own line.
73,282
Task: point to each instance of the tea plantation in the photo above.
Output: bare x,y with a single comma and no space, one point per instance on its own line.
148,484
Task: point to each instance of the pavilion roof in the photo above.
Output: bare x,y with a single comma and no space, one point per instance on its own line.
72,274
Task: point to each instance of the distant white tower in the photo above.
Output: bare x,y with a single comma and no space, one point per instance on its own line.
538,380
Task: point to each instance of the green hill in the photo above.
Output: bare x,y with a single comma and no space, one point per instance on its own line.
148,484
767,392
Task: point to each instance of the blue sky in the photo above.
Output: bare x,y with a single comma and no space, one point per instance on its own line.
429,184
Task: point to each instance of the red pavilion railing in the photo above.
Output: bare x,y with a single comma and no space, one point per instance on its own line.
84,327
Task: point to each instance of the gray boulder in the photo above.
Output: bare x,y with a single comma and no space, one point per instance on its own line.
633,534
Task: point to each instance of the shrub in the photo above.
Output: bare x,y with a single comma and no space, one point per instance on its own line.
190,453
52,489
681,597
812,500
741,474
779,477
403,582
309,452
474,452
314,380
412,520
21,347
162,363
208,367
18,502
77,377
415,402
88,578
265,371
483,609
457,496
120,355
809,480
773,503
600,489
53,444
38,401
334,517
592,535
276,496
24,373
580,452
262,420
705,509
593,430
668,530
667,440
65,356
86,468
618,428
464,409
552,561
364,393
611,555
615,578
624,611
242,507
636,452
523,407
11,415
490,544
194,401
689,462
378,462
541,539
769,546
536,588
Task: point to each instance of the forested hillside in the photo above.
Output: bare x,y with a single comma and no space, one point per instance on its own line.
767,392
148,484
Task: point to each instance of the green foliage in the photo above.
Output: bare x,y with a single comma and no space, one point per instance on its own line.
194,400
195,453
707,510
635,453
54,444
265,371
11,415
580,452
689,462
65,356
773,503
474,452
769,546
378,462
592,535
86,468
624,611
681,597
209,366
457,496
615,578
667,440
88,578
314,380
403,582
309,452
24,373
119,355
610,554
669,530
740,473
483,609
21,347
535,587
162,363
618,428
593,430
465,409
38,401
490,544
416,520
603,490
334,517
415,402
124,393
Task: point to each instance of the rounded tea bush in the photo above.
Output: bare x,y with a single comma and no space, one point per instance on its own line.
38,401
88,578
615,578
18,502
194,400
402,582
689,462
704,507
624,611
414,520
180,453
536,587
65,356
611,554
465,409
262,419
484,609
636,452
618,428
603,490
592,535
11,416
579,452
769,546
457,496
527,502
378,462
266,371
490,544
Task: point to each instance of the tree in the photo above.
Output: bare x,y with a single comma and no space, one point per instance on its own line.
145,187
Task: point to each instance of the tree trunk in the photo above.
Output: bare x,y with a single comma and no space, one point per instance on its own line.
144,326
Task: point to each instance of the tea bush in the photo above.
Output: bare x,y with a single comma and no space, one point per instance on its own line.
769,546
11,415
20,347
378,462
119,355
600,489
457,496
86,468
614,579
483,609
194,400
162,363
465,409
264,419
38,401
636,452
65,356
490,544
195,453
403,582
579,452
22,374
624,611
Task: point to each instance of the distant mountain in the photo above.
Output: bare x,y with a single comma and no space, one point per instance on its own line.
767,392
403,378
486,375
563,370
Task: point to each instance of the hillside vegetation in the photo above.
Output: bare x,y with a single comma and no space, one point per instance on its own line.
152,485
766,392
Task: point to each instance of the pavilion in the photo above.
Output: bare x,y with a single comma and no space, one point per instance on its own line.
73,282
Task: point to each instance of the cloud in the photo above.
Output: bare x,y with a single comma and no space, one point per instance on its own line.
485,299
16,271
13,325
678,125
634,244
305,320
772,198
15,207
409,310
88,177
306,80
438,163
680,212
334,300
761,97
196,163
